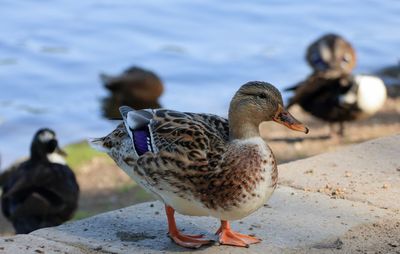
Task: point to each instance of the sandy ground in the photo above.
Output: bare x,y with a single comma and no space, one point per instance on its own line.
105,187
370,238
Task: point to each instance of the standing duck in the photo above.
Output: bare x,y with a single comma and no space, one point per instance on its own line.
135,87
42,191
203,164
331,93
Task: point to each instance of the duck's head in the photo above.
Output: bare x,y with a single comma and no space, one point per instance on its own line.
45,146
331,54
256,102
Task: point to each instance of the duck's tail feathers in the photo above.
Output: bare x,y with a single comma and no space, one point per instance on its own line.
291,88
3,177
106,79
110,82
98,144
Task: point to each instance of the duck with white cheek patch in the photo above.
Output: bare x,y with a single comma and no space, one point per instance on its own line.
41,191
331,93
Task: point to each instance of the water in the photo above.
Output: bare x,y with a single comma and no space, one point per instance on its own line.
51,53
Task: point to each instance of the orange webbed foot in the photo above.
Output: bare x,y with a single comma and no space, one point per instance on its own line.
187,241
194,236
229,237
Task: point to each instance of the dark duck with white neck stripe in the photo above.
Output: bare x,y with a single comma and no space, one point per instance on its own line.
203,164
331,93
42,191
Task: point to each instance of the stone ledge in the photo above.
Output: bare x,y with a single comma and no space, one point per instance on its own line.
34,244
293,220
367,172
297,219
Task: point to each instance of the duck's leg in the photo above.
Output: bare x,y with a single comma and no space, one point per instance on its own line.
333,132
188,241
229,237
341,129
336,135
331,129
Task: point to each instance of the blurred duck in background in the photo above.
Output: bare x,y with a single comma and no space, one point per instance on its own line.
331,93
135,87
41,191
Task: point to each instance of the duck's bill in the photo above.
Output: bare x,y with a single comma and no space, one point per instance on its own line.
61,151
285,118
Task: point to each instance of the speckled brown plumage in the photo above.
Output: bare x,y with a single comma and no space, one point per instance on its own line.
208,179
199,160
198,164
191,161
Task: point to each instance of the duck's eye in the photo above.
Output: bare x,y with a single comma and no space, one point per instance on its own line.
346,58
262,96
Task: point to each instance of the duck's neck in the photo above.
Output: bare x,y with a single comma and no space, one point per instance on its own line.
38,155
245,131
242,127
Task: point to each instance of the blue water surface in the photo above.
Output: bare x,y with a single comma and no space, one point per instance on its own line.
51,53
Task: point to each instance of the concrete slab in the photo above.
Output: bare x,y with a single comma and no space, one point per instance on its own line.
294,221
368,172
341,202
26,244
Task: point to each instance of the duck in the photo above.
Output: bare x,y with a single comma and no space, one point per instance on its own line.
332,93
41,191
201,164
135,87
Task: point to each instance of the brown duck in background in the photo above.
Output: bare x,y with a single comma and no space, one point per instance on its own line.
135,87
331,93
41,191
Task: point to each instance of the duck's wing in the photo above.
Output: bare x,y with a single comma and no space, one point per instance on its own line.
9,171
3,177
303,90
157,130
311,83
52,188
320,88
177,152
